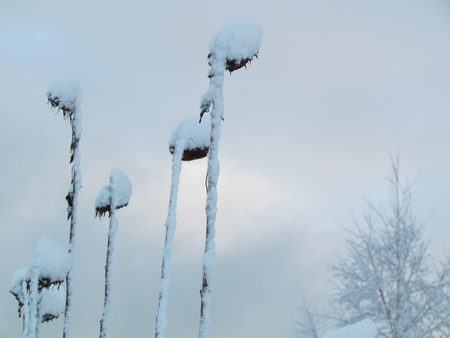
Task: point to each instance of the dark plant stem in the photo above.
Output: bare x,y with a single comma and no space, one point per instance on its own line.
113,224
72,201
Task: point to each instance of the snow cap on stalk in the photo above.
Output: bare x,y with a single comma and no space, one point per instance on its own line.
64,94
51,298
237,42
119,189
51,261
195,135
16,285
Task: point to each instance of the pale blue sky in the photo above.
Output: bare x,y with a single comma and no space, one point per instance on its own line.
307,132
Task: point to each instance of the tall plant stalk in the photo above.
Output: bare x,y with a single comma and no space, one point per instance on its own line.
113,225
216,89
189,141
236,44
65,95
72,201
161,316
115,196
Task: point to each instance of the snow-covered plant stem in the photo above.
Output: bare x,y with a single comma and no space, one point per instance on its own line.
215,92
25,310
111,198
171,221
37,287
72,201
65,95
236,44
113,225
33,322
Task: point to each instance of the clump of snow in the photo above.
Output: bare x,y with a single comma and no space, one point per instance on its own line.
65,94
52,303
364,329
103,199
196,134
16,284
239,39
121,187
36,287
118,193
50,260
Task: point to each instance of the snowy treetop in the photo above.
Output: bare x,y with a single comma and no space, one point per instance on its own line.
65,94
119,191
364,329
238,39
195,134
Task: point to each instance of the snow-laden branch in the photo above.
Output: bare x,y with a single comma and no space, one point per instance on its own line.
388,275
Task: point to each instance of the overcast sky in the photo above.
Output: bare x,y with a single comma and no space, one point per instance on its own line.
307,132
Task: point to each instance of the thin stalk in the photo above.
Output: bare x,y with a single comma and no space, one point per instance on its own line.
113,225
33,322
215,92
26,309
161,316
72,201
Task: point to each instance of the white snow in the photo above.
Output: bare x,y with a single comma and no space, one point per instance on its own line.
196,134
53,301
67,91
103,198
237,42
119,190
121,187
114,196
65,94
51,261
187,129
38,298
238,39
16,284
364,329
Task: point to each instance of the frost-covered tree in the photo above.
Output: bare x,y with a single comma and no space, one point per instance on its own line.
189,141
64,94
112,197
389,277
236,44
37,287
308,324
